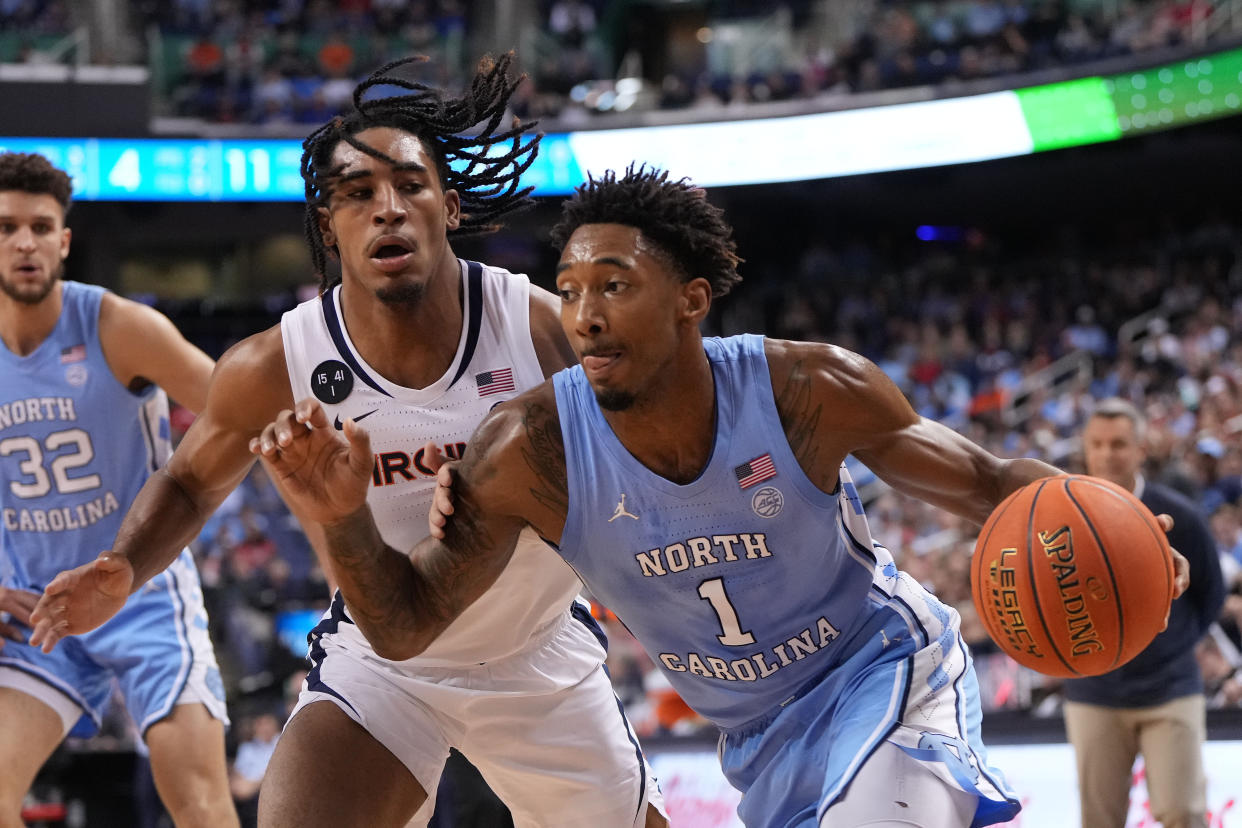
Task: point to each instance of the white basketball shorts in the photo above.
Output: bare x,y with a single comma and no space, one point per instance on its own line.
543,726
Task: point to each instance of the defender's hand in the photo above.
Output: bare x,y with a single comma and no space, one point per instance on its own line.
442,500
79,600
326,476
17,604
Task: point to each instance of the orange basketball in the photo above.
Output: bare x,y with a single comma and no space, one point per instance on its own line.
1072,576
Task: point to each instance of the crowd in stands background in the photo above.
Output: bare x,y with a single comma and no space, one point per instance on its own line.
296,61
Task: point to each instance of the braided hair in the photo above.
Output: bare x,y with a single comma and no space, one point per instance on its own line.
675,215
486,180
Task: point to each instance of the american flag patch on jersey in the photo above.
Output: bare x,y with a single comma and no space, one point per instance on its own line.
494,382
755,471
75,353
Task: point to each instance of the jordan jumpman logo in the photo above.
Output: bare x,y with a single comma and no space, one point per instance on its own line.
621,511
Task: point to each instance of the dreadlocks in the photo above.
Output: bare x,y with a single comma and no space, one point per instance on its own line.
674,215
486,181
30,172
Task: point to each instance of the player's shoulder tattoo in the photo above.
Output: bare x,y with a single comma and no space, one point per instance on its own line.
545,455
799,410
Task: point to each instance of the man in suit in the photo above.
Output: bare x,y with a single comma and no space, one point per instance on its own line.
1154,704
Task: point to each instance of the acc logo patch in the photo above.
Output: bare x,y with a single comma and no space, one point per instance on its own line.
331,381
768,502
76,375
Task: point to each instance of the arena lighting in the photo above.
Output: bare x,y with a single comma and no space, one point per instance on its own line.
797,148
938,233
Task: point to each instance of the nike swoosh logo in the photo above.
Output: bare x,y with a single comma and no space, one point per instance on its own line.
338,425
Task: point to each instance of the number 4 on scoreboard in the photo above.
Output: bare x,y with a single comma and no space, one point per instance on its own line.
126,173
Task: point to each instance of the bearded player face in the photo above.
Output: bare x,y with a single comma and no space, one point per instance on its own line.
34,243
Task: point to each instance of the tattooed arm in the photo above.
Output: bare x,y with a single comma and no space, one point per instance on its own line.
833,402
512,475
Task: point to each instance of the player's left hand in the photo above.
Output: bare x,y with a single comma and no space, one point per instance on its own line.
1181,566
17,604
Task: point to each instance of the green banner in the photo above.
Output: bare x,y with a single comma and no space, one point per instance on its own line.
1069,114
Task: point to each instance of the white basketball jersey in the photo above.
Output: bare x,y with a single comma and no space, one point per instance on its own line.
495,361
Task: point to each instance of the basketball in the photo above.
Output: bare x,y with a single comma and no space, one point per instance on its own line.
1072,576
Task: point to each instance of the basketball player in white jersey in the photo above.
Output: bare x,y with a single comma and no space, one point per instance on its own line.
421,345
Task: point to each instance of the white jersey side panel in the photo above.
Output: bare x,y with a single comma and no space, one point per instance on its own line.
495,361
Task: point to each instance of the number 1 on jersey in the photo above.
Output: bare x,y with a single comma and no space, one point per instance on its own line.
713,592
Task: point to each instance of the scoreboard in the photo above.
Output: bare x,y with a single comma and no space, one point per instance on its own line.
955,130
142,169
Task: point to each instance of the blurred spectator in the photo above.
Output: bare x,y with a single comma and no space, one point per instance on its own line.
273,97
250,764
572,22
335,57
206,82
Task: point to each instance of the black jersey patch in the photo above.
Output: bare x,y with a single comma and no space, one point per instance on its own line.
332,381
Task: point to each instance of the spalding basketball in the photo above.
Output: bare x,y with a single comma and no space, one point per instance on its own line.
1072,576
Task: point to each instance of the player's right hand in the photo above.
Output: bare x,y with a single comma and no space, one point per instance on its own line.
17,604
326,476
79,600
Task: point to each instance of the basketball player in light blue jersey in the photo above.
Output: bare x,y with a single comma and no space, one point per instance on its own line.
697,487
83,424
422,344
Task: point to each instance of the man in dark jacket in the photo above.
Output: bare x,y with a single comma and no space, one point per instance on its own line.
1154,704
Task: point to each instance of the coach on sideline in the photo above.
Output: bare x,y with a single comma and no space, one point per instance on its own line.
1154,704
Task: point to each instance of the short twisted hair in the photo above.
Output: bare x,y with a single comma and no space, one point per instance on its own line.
675,215
30,172
486,181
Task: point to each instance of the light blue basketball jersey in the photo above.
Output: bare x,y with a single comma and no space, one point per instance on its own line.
744,585
769,607
75,447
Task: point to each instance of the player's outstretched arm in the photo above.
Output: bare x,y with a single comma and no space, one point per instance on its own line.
502,484
176,501
325,478
833,402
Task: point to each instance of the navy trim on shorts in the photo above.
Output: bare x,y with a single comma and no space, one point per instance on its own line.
333,320
583,615
315,653
474,288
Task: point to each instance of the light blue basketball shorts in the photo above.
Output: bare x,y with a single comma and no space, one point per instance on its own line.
909,681
156,648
